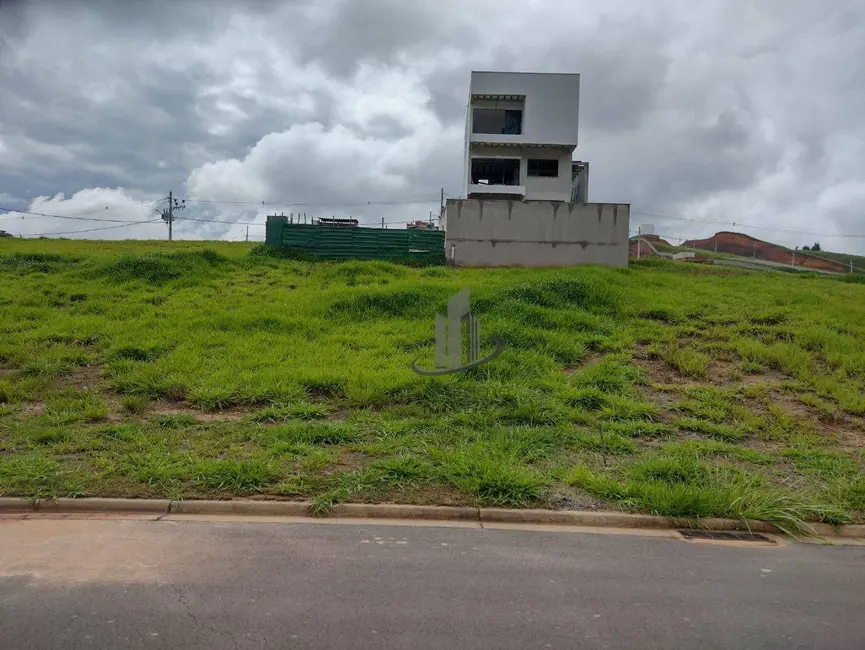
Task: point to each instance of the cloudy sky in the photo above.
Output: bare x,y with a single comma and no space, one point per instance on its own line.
715,111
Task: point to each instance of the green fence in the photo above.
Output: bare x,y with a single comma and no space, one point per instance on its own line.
330,242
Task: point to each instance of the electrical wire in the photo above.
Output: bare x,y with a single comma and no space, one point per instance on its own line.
746,225
75,232
315,203
64,216
660,215
236,223
118,207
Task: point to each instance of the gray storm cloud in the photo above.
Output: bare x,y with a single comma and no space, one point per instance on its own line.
724,111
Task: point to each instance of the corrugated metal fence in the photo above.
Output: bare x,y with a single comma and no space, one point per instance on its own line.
329,242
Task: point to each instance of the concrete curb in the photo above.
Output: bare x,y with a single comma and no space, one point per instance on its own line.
95,504
239,507
571,518
13,504
395,511
10,505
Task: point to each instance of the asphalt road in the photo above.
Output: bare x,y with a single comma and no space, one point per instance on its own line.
180,584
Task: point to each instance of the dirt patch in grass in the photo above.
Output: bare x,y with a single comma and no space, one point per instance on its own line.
663,398
589,360
228,415
841,431
31,409
85,377
573,499
659,372
338,415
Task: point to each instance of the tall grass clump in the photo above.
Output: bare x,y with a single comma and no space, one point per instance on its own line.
162,268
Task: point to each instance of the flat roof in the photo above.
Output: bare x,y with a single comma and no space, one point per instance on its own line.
565,74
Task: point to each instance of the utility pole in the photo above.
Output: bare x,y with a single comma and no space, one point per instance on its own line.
442,203
247,233
851,266
716,242
755,250
168,214
639,236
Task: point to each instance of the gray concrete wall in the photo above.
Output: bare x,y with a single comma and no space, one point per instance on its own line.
535,233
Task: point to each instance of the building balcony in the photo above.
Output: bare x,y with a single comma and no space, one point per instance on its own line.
484,190
482,139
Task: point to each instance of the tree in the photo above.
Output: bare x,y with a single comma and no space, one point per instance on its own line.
816,246
805,248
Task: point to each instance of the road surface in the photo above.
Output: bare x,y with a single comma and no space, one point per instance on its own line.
138,583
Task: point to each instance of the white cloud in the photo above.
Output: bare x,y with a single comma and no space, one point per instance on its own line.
100,212
726,109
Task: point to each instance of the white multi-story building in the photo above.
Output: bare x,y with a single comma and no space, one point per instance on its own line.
525,200
521,132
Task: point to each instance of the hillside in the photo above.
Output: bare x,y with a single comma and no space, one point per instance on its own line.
842,258
199,370
735,243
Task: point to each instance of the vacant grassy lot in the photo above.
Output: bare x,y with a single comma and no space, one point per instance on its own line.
200,370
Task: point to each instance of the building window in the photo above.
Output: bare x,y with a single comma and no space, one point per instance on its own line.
541,167
497,120
495,171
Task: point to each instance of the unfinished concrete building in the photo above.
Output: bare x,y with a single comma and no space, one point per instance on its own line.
526,199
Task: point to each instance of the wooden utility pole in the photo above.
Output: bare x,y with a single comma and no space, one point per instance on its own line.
639,237
247,233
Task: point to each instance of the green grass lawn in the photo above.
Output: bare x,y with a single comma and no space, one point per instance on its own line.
190,370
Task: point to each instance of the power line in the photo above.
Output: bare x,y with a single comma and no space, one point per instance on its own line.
237,223
252,223
746,225
174,218
75,232
63,216
117,207
317,203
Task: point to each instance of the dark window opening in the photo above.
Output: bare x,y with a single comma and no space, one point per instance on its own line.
540,167
497,120
495,171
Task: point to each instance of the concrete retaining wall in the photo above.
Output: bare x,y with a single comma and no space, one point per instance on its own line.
481,232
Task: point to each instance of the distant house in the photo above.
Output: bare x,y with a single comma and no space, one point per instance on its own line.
420,225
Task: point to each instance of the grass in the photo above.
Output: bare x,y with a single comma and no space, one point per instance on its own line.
686,361
190,370
673,487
